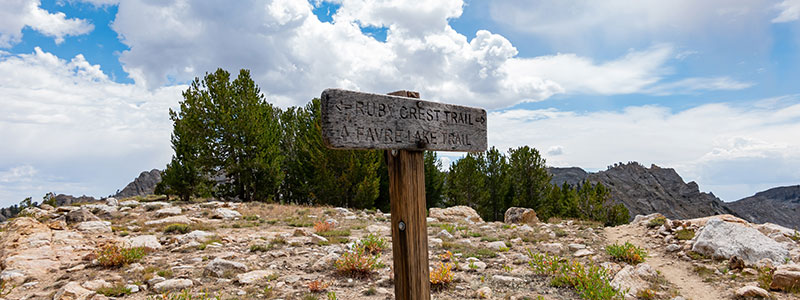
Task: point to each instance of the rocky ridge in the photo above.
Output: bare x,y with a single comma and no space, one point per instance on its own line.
648,190
143,185
257,251
779,205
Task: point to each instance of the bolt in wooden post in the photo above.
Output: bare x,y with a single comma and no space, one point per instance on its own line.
409,226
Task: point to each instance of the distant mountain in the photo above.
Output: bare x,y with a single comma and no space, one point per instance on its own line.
143,185
648,190
780,205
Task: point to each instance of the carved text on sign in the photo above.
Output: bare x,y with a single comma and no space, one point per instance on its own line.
355,120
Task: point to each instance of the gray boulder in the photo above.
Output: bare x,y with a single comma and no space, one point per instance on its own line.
224,268
520,215
724,240
81,215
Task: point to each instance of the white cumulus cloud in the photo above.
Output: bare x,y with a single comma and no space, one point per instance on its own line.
18,14
789,11
294,56
68,128
732,150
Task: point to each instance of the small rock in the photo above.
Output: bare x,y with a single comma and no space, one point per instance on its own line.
576,247
132,287
316,239
434,242
97,284
673,248
378,229
553,248
735,263
455,214
325,263
155,280
444,234
484,293
749,271
497,245
300,232
168,211
73,291
752,292
155,205
253,276
583,252
507,279
173,285
226,214
15,277
520,215
786,277
94,226
129,203
111,201
81,215
195,236
147,241
221,267
170,220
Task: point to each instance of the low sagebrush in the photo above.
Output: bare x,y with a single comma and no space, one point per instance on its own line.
358,262
627,252
114,256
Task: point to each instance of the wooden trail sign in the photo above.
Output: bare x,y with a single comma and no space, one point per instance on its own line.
355,120
404,126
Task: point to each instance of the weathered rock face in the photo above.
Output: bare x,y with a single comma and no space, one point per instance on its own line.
649,190
456,214
572,175
143,185
724,240
779,205
786,277
35,250
520,215
221,268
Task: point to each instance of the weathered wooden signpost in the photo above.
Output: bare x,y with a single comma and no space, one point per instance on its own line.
405,127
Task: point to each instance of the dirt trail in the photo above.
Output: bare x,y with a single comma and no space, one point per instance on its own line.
678,272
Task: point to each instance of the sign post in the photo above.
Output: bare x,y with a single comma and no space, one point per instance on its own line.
405,126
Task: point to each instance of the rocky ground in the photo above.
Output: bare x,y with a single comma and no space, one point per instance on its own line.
271,251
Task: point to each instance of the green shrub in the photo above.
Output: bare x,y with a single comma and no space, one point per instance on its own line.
590,281
331,233
684,234
118,290
358,262
656,222
260,248
177,228
627,252
113,256
469,251
373,243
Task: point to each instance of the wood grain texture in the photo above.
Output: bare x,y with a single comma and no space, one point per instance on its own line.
409,246
356,120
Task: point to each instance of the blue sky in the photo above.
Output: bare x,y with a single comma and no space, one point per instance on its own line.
711,89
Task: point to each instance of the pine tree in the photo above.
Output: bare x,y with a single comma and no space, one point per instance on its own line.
225,131
466,183
497,185
434,179
530,178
